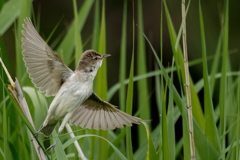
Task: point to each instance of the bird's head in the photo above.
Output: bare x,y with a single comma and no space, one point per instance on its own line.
90,61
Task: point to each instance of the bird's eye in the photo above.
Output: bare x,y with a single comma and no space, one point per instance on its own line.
91,70
96,58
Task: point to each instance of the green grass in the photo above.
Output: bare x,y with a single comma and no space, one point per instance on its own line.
215,120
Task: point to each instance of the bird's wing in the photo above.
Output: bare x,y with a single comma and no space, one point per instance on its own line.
98,114
45,67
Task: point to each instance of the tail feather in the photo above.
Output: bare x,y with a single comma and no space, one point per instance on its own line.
48,129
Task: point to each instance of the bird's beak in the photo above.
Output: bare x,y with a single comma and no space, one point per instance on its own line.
105,56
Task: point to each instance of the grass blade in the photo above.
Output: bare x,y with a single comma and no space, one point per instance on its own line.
165,145
199,137
143,95
25,12
151,153
129,110
171,120
10,11
223,82
67,44
96,26
122,72
211,129
101,82
130,96
4,119
70,141
197,111
78,39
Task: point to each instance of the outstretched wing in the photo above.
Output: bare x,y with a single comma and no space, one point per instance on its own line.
98,114
45,67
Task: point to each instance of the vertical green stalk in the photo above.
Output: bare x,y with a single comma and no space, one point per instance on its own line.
78,44
95,46
130,94
77,36
21,70
101,78
123,51
211,129
215,64
224,79
25,12
4,121
178,56
160,86
129,110
171,119
101,83
96,26
67,44
187,83
238,113
164,127
143,95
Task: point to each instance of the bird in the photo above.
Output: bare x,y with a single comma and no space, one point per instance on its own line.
74,101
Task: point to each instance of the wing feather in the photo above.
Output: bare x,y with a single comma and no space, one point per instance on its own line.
91,119
98,114
103,121
86,118
45,67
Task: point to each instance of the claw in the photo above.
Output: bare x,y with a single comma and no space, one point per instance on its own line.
51,148
36,134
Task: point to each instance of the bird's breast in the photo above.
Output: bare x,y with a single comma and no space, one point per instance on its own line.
70,97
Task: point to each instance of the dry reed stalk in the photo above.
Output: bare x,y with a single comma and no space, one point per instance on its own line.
187,84
17,93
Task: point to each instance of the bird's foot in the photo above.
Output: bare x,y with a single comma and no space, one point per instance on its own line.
51,148
36,134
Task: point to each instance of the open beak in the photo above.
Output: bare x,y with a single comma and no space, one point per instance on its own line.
105,56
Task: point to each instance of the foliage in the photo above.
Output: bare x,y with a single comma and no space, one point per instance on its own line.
216,122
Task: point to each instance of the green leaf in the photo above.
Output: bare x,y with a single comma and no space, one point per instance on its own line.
122,72
100,84
70,141
178,56
78,39
151,153
171,120
143,95
59,149
67,45
10,11
223,83
25,12
198,134
129,109
211,129
130,98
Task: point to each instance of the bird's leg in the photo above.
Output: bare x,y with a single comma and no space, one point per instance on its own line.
44,123
64,122
51,148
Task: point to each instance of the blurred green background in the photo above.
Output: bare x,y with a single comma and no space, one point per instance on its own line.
51,12
109,32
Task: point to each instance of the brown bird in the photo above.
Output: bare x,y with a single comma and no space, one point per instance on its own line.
75,100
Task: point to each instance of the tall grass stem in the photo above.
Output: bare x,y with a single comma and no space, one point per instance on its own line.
188,91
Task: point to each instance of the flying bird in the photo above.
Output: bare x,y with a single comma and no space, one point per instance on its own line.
74,100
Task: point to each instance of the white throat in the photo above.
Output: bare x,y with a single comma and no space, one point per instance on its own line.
90,75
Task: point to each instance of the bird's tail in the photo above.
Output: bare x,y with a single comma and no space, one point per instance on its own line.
48,129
